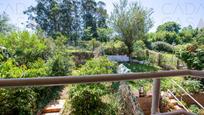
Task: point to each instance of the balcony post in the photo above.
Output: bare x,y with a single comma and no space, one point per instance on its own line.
155,96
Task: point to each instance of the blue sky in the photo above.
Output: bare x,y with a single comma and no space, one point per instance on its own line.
184,12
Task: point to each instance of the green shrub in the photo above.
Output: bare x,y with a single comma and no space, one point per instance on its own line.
187,35
192,86
8,69
89,45
60,65
194,109
86,98
25,47
139,45
163,47
104,34
169,37
168,61
93,44
200,37
30,56
115,47
140,55
24,100
17,101
192,55
96,66
137,84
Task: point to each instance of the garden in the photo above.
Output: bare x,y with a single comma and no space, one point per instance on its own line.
76,37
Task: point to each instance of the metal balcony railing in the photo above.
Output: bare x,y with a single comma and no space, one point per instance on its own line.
63,80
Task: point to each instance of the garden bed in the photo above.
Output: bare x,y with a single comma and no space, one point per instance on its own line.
199,97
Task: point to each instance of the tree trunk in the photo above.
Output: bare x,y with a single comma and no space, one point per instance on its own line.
130,50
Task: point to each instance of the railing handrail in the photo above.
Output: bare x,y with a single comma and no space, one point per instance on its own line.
178,112
201,106
63,80
177,100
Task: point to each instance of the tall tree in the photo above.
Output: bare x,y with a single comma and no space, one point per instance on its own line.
187,34
103,31
54,10
101,15
165,36
52,16
5,27
88,15
76,25
131,21
66,18
69,17
170,27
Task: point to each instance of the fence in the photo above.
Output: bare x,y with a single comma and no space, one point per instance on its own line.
167,61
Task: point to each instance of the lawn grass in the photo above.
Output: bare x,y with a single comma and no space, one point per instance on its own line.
136,84
77,50
141,67
169,59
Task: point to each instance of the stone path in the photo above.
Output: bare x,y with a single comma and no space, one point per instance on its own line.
55,107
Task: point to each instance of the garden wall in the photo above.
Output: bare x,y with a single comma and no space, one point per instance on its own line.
81,57
145,104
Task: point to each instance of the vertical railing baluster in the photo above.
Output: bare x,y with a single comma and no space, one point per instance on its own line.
155,96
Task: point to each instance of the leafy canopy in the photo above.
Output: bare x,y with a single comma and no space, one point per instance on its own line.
5,27
170,27
131,22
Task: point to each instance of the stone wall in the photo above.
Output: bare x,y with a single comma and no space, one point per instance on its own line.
81,57
130,102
